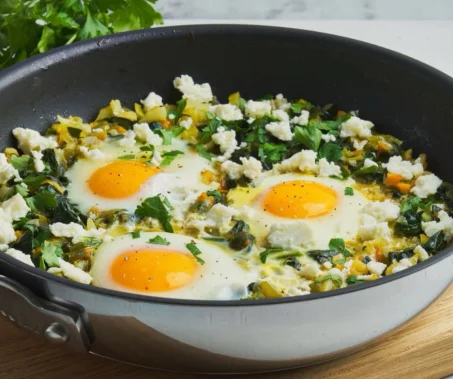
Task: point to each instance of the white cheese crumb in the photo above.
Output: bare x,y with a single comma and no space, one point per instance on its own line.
74,273
280,130
371,229
382,210
128,140
305,161
290,235
7,171
227,112
95,154
232,169
171,116
226,139
257,109
15,208
426,185
220,216
365,277
327,265
445,224
310,271
153,100
187,123
328,138
302,119
369,163
359,145
29,140
6,232
74,231
38,163
251,167
402,265
198,93
280,115
421,253
157,159
20,256
145,134
327,168
356,127
376,268
396,165
281,102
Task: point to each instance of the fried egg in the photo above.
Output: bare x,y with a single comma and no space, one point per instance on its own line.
112,183
318,202
172,271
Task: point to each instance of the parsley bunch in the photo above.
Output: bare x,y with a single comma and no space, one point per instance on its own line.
28,27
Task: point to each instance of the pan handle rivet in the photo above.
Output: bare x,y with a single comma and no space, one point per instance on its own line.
56,334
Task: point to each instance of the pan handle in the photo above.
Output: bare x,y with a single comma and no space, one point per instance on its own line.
58,324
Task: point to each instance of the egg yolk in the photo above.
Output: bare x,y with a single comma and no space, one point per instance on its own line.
120,179
153,270
299,199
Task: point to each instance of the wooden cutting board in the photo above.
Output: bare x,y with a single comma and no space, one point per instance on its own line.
421,349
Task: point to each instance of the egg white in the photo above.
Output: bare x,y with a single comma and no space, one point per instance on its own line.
180,181
342,222
220,278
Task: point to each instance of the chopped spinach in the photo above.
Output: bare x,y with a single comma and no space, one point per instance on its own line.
240,238
348,191
435,243
322,256
308,136
159,240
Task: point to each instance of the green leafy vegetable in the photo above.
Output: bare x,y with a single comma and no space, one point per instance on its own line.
158,240
127,157
169,156
435,243
23,191
310,137
331,151
322,256
202,151
168,134
196,252
135,235
352,279
178,112
28,27
240,238
51,253
154,207
348,191
272,250
338,245
336,279
20,163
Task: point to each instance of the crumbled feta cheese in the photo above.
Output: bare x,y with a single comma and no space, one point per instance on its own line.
3,247
226,139
376,268
305,161
95,154
290,235
426,185
280,130
220,216
365,277
157,159
382,210
74,231
281,102
251,167
187,123
145,134
421,253
356,127
359,145
327,265
402,265
396,165
257,108
29,140
152,101
445,224
7,171
280,115
310,271
302,119
227,112
171,116
128,140
74,273
7,234
15,208
232,169
371,229
328,137
55,271
20,256
38,163
199,93
369,163
327,168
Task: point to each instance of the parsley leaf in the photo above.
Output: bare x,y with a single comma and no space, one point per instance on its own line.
178,112
154,207
196,252
127,157
158,240
135,235
202,151
168,134
339,246
310,137
331,151
51,253
336,279
20,163
348,191
264,254
169,156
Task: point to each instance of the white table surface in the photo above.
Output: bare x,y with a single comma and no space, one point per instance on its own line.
428,41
